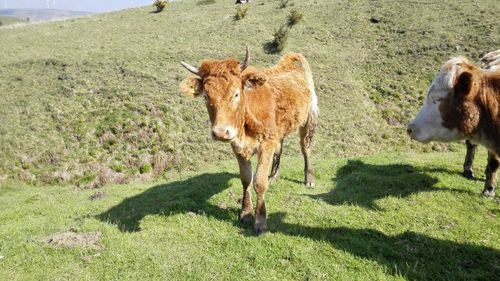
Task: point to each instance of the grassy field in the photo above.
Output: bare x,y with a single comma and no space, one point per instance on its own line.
99,149
391,217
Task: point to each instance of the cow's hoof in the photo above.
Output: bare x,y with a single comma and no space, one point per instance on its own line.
246,217
309,184
468,174
260,228
489,191
260,225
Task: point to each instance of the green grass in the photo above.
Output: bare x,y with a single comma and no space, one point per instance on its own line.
392,217
93,102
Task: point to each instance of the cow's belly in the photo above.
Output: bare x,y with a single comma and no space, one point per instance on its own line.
290,121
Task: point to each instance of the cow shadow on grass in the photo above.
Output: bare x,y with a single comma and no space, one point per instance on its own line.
363,184
187,196
412,255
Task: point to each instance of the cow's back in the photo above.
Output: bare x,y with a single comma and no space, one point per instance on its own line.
292,97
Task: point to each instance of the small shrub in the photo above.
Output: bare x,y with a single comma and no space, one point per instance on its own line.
279,41
146,168
284,3
160,5
87,178
205,2
160,163
117,167
294,17
240,13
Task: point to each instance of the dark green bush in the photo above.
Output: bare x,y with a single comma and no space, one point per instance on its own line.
294,17
146,168
205,2
280,39
160,5
284,3
240,13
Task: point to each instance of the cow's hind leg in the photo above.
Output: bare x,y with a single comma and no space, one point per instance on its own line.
306,136
246,181
275,169
469,159
491,175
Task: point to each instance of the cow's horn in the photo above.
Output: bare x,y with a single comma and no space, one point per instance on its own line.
191,68
244,63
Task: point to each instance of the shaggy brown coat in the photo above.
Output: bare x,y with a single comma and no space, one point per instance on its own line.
261,107
473,108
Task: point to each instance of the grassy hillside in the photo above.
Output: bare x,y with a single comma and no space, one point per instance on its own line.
7,20
91,101
38,15
371,218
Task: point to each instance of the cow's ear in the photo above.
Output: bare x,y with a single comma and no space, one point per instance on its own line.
254,80
463,85
191,86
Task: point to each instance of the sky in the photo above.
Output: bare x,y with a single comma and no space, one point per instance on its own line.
74,5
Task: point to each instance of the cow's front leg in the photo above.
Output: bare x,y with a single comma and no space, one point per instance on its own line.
260,185
246,181
491,175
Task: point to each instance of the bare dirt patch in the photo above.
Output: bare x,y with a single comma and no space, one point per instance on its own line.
88,240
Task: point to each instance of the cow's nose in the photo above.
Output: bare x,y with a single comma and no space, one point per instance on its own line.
220,133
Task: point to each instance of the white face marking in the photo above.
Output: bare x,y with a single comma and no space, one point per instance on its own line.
231,132
428,124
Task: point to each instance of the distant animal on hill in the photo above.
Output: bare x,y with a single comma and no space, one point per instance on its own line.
254,110
463,102
242,1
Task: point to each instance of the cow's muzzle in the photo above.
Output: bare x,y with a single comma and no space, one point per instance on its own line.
223,133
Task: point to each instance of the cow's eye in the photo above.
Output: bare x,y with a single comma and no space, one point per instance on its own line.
205,97
237,94
437,100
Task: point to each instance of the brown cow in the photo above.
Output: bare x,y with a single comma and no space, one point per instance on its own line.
463,102
253,110
490,61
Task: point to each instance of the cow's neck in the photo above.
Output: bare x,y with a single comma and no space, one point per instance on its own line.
249,128
489,104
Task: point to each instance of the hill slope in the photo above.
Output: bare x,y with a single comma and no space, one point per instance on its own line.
7,20
37,15
95,100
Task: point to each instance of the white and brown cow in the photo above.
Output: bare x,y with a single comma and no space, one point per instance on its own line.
491,62
253,110
463,102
